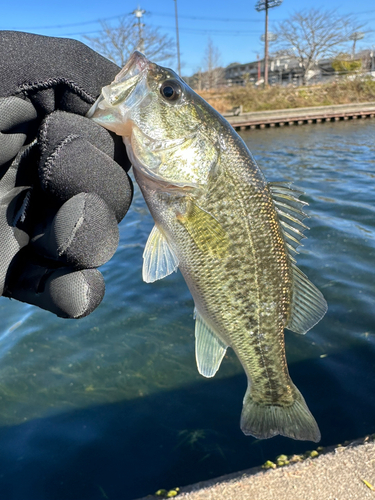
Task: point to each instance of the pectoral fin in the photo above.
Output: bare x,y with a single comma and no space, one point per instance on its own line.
209,349
308,304
158,259
205,230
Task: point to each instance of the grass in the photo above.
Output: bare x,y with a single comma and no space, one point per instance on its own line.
344,91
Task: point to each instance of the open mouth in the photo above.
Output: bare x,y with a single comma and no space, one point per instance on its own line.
136,64
107,106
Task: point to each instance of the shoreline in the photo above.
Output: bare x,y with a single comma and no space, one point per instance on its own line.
337,472
299,116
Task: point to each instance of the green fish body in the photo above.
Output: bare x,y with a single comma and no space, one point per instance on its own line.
231,234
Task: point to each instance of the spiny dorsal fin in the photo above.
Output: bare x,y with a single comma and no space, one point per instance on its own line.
308,304
209,349
158,259
205,230
289,209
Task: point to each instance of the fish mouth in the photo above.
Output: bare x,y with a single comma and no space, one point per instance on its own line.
136,64
127,90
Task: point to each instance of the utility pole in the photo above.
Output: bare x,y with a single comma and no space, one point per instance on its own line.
265,5
271,37
177,39
138,14
357,35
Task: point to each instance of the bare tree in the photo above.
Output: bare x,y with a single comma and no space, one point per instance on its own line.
313,34
117,42
212,71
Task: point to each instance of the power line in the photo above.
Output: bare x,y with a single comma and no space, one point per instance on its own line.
69,25
203,18
187,31
215,31
95,21
191,31
78,33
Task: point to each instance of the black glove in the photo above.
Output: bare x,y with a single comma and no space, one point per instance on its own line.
63,181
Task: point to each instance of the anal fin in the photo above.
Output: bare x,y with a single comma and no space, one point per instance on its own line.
308,304
209,349
158,258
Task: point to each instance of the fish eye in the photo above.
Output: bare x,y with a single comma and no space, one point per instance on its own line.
171,90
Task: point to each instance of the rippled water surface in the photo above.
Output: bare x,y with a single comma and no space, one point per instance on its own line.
112,406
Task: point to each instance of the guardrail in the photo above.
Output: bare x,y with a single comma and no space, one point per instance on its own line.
301,116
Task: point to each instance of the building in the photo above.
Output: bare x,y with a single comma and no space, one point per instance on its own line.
286,70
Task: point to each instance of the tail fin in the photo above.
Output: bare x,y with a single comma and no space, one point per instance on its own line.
265,421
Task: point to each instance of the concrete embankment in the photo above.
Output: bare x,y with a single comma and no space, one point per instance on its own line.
300,116
342,472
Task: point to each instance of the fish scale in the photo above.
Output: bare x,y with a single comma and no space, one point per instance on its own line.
227,230
206,278
257,329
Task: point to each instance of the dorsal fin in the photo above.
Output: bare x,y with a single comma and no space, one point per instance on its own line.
209,349
290,211
308,305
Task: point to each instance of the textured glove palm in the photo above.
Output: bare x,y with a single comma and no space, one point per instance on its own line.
63,181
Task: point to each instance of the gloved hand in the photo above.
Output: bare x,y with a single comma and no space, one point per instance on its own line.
63,181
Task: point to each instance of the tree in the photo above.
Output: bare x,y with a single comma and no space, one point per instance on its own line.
313,34
118,42
212,71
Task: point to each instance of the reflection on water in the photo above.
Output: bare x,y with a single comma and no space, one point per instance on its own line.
83,401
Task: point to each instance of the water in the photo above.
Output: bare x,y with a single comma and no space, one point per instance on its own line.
112,406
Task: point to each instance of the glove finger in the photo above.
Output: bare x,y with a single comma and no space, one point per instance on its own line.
77,155
66,293
13,239
60,124
54,73
83,233
16,116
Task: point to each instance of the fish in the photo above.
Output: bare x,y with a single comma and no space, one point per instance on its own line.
232,234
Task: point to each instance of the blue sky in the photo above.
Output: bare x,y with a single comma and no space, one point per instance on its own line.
235,27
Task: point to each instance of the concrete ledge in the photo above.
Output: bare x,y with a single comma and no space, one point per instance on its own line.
300,116
341,472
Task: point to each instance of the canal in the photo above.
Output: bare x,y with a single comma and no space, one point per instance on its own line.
112,406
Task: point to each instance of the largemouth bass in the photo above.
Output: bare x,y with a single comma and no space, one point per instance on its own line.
231,234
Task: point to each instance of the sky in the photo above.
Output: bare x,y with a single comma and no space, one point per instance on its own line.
234,27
